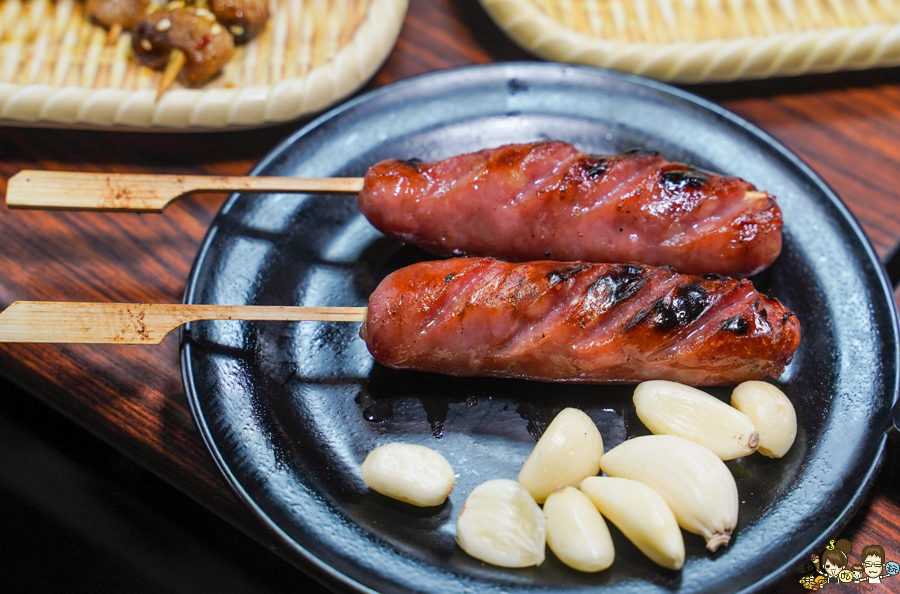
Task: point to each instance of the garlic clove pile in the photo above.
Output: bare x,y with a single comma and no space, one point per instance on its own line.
693,481
670,408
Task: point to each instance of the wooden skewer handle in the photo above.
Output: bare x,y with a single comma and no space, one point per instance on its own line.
140,323
177,60
70,190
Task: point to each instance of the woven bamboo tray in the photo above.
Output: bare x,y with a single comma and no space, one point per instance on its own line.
706,40
56,69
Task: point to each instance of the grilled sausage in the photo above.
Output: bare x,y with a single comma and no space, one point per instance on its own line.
577,322
546,200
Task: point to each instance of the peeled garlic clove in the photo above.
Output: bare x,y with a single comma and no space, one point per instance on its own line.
411,473
694,482
670,408
576,532
641,514
567,452
772,414
501,524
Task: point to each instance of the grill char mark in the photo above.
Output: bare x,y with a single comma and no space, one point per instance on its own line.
687,304
736,325
627,280
678,180
563,274
595,167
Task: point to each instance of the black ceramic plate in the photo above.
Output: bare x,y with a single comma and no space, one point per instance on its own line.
290,410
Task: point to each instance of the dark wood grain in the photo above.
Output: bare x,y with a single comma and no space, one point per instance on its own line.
845,126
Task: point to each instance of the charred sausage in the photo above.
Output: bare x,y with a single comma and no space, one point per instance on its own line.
577,322
547,200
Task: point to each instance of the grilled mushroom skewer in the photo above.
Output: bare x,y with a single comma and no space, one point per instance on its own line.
187,42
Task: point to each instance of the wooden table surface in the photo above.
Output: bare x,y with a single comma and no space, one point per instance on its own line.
846,126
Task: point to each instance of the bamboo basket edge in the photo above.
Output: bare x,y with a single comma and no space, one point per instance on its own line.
74,106
741,58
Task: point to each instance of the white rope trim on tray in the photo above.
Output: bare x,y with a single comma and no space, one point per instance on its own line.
746,56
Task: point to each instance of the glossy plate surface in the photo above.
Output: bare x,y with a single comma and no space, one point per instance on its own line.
290,410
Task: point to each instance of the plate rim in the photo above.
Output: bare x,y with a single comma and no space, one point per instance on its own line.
332,577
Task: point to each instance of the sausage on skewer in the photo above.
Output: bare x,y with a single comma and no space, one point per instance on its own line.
546,321
547,200
577,322
520,202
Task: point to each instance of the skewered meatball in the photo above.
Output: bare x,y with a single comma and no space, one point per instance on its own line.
244,18
206,45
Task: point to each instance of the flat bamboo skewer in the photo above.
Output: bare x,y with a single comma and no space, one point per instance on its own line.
176,62
141,323
112,36
137,192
